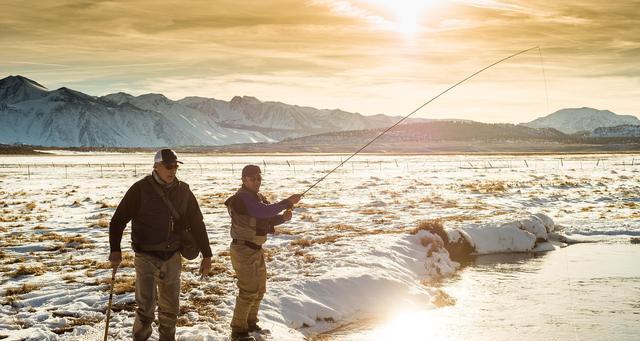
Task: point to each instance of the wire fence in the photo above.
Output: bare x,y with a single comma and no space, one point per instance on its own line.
203,166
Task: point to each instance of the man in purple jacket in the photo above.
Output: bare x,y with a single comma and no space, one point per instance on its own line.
252,218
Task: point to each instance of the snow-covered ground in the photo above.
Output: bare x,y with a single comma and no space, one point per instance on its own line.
348,253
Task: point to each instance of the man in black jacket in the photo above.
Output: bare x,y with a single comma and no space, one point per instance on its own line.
155,236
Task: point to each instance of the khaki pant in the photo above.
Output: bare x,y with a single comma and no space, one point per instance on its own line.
251,273
161,279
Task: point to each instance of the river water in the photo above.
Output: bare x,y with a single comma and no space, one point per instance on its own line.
581,292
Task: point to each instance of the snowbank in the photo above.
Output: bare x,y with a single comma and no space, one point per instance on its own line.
520,235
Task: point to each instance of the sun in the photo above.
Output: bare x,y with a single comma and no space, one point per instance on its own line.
404,16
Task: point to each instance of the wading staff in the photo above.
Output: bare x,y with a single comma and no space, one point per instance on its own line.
413,112
113,280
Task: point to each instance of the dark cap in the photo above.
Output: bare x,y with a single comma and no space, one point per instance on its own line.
250,170
166,156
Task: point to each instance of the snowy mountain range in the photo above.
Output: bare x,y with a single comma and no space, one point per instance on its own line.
576,120
32,114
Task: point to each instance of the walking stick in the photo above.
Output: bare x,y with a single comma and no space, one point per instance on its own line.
113,280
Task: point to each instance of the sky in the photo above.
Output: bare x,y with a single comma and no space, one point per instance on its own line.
365,56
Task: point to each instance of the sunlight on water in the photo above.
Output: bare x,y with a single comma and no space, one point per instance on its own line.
582,292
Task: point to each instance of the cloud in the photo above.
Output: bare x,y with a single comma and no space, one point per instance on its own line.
347,52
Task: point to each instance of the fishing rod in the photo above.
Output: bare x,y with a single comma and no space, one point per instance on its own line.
416,110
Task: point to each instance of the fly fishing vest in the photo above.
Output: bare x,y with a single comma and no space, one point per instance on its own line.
244,227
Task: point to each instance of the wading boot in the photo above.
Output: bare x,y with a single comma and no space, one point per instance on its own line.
254,328
241,337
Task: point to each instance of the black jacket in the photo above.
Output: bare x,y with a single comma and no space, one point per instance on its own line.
150,217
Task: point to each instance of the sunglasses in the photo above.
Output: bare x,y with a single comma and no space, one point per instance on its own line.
255,178
171,166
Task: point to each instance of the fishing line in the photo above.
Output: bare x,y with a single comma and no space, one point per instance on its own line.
416,110
544,77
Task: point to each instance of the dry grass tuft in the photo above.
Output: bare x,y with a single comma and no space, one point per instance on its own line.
428,225
25,270
105,204
218,268
30,206
342,227
21,290
69,278
103,223
370,211
124,285
326,239
309,258
302,242
286,231
40,227
307,217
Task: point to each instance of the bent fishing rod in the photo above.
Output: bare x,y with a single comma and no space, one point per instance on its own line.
416,110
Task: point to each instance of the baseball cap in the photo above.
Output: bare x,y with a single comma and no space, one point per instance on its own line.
166,156
250,170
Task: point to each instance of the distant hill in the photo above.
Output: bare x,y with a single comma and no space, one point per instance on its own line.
625,130
447,137
576,120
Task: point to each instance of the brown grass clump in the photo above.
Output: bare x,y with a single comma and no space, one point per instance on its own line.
224,254
104,204
103,223
124,285
307,217
128,260
326,239
68,242
28,270
8,218
442,299
487,187
370,211
302,242
30,206
286,231
428,225
21,290
341,227
309,258
40,227
217,268
298,252
69,278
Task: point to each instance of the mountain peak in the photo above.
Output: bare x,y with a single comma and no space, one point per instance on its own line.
244,100
154,99
573,120
14,89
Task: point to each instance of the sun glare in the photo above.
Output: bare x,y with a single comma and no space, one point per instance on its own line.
411,325
405,15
